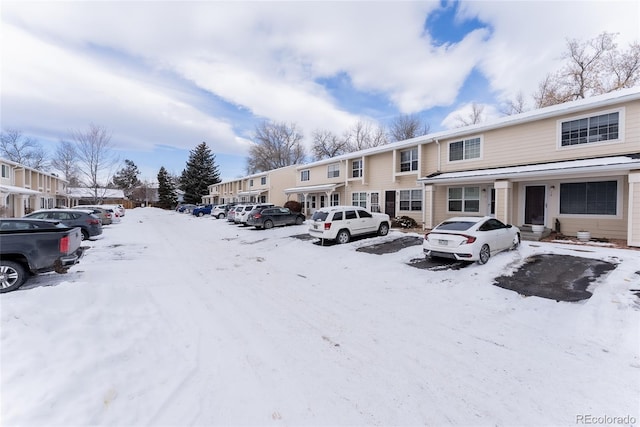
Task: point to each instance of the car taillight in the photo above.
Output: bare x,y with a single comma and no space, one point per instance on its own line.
426,236
470,239
64,244
93,221
108,215
257,215
327,225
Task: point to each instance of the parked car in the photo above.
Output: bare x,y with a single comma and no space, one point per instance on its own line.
231,215
221,211
340,223
105,215
90,225
269,217
31,246
242,214
470,238
186,208
202,210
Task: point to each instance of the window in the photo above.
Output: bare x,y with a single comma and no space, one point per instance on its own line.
590,129
333,171
250,183
5,171
410,200
359,199
365,214
304,175
334,199
464,150
464,199
263,180
589,198
356,168
350,215
409,160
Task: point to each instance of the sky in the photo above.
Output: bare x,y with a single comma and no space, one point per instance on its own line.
164,76
175,320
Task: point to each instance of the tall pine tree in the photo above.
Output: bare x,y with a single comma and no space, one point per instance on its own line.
127,178
167,196
200,173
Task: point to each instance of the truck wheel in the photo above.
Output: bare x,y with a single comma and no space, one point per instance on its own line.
383,230
12,276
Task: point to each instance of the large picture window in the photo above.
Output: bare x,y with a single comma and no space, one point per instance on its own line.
464,199
464,150
589,198
590,129
410,200
409,160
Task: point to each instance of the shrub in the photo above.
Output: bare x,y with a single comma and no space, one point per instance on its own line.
404,222
294,206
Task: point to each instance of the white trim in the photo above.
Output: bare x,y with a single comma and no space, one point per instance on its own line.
463,140
619,197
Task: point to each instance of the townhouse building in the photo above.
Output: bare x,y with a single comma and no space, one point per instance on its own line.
24,189
262,187
568,167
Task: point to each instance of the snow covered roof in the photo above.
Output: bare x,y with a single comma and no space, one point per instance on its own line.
313,188
600,164
104,193
12,189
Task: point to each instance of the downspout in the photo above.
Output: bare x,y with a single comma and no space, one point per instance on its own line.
439,154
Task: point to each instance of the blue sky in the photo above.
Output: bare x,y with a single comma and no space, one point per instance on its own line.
165,76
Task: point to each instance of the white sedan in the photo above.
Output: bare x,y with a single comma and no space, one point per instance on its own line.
470,238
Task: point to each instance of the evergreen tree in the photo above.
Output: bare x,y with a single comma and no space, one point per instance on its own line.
127,178
167,197
200,173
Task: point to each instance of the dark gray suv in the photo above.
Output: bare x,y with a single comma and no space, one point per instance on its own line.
90,224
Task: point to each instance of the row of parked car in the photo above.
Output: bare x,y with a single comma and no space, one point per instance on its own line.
460,238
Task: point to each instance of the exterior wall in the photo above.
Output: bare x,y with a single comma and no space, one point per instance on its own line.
538,142
633,232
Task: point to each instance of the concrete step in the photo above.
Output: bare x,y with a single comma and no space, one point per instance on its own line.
527,234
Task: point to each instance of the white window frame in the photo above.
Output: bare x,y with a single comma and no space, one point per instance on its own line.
6,171
619,198
464,142
305,175
464,198
621,127
356,199
415,195
263,180
334,199
359,163
333,170
411,160
251,183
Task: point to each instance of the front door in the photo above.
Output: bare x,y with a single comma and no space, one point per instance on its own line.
390,203
534,204
375,202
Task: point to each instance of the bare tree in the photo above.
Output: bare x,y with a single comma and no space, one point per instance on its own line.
275,145
326,144
22,149
622,69
65,160
513,106
363,135
95,158
474,117
407,126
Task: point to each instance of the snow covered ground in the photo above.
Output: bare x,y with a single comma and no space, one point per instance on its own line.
175,320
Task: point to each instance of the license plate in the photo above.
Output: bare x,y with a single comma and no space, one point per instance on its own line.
443,242
315,226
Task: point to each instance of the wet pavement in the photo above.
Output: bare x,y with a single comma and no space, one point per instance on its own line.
557,277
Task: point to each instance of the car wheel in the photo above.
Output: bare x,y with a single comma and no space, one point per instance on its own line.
268,224
299,220
12,276
516,241
485,254
383,230
343,237
200,213
85,235
221,216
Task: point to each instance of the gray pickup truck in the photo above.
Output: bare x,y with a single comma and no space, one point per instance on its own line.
31,246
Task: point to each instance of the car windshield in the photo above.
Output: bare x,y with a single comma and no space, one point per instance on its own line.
319,216
455,225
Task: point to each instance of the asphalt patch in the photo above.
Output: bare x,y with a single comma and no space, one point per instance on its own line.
438,264
557,277
392,246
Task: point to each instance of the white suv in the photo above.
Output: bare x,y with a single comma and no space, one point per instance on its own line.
339,223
